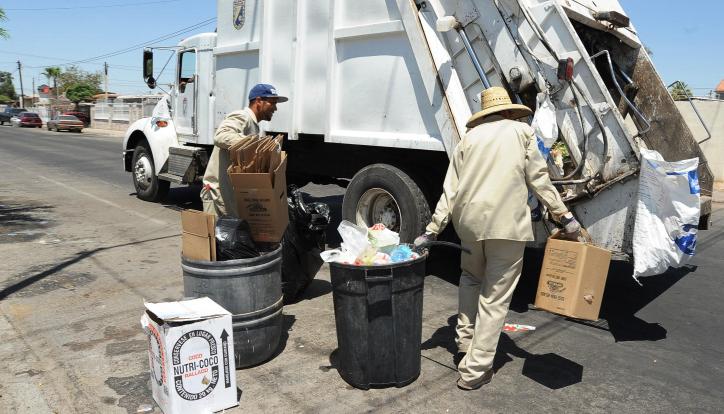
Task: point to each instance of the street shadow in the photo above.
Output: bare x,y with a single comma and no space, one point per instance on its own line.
443,337
622,297
315,289
549,370
626,298
181,198
78,257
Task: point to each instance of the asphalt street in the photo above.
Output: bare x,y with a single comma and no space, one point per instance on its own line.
80,254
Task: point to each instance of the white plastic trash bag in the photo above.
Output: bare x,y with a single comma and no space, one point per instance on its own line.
667,214
544,122
161,111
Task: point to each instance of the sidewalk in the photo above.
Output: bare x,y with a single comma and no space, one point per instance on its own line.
104,132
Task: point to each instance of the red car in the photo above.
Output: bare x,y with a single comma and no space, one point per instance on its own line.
27,119
68,122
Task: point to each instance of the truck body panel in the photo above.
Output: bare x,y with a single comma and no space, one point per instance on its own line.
362,76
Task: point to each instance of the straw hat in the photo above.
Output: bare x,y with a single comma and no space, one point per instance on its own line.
494,100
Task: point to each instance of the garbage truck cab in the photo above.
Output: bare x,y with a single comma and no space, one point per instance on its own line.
380,92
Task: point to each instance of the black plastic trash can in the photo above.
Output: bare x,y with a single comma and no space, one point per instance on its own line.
378,313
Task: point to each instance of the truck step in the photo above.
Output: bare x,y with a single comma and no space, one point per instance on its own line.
172,178
180,159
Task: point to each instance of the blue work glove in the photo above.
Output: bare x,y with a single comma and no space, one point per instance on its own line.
424,239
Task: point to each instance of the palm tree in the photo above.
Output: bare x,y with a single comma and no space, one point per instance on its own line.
3,33
680,91
52,72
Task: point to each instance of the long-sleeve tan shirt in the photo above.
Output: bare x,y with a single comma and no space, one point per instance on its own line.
486,186
237,126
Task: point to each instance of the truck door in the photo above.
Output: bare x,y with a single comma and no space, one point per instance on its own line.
186,93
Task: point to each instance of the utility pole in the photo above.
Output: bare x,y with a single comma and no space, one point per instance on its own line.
105,68
32,93
20,70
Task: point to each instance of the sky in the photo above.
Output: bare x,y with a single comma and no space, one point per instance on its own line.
685,41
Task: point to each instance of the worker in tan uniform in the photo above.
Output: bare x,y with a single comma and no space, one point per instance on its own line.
217,194
485,194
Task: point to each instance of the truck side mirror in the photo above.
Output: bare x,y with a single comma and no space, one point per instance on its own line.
148,68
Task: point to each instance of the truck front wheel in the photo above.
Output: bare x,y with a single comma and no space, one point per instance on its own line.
148,186
381,193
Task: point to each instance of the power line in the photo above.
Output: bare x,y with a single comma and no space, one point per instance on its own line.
146,43
122,67
94,7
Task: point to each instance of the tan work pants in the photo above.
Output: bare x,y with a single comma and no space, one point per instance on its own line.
489,276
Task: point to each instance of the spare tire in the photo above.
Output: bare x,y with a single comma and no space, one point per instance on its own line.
381,193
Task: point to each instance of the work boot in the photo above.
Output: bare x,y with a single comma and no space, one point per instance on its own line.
475,384
458,357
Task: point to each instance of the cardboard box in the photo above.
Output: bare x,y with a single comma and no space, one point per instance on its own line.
191,354
572,279
261,200
198,240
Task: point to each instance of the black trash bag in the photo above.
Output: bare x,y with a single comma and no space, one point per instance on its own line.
233,239
303,241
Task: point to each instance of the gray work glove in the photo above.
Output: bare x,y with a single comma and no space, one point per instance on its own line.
571,227
424,239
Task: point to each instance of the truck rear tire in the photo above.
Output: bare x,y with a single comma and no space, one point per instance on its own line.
381,193
145,180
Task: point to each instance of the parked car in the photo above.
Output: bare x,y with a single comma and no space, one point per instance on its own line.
80,115
27,119
67,122
10,112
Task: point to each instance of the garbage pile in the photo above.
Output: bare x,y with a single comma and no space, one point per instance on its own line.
374,246
302,244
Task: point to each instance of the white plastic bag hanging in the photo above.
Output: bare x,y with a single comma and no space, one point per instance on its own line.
546,132
544,122
161,111
667,214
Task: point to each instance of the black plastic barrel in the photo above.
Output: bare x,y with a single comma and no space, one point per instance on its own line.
251,289
378,313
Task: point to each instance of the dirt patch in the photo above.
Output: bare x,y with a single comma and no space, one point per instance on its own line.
134,391
22,222
109,334
127,347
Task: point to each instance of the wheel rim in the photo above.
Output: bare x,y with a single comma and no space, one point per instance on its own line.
378,206
143,172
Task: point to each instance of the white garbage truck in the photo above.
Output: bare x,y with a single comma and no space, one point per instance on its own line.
380,90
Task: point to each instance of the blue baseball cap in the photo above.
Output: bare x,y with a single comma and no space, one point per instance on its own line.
263,90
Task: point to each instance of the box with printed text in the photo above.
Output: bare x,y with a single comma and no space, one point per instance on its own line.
191,355
261,200
572,278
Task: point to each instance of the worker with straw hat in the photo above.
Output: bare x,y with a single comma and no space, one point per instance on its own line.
485,194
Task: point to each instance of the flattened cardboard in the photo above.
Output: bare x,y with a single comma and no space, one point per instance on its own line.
191,356
198,240
572,279
261,200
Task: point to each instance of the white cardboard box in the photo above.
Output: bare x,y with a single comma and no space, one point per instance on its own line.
191,354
